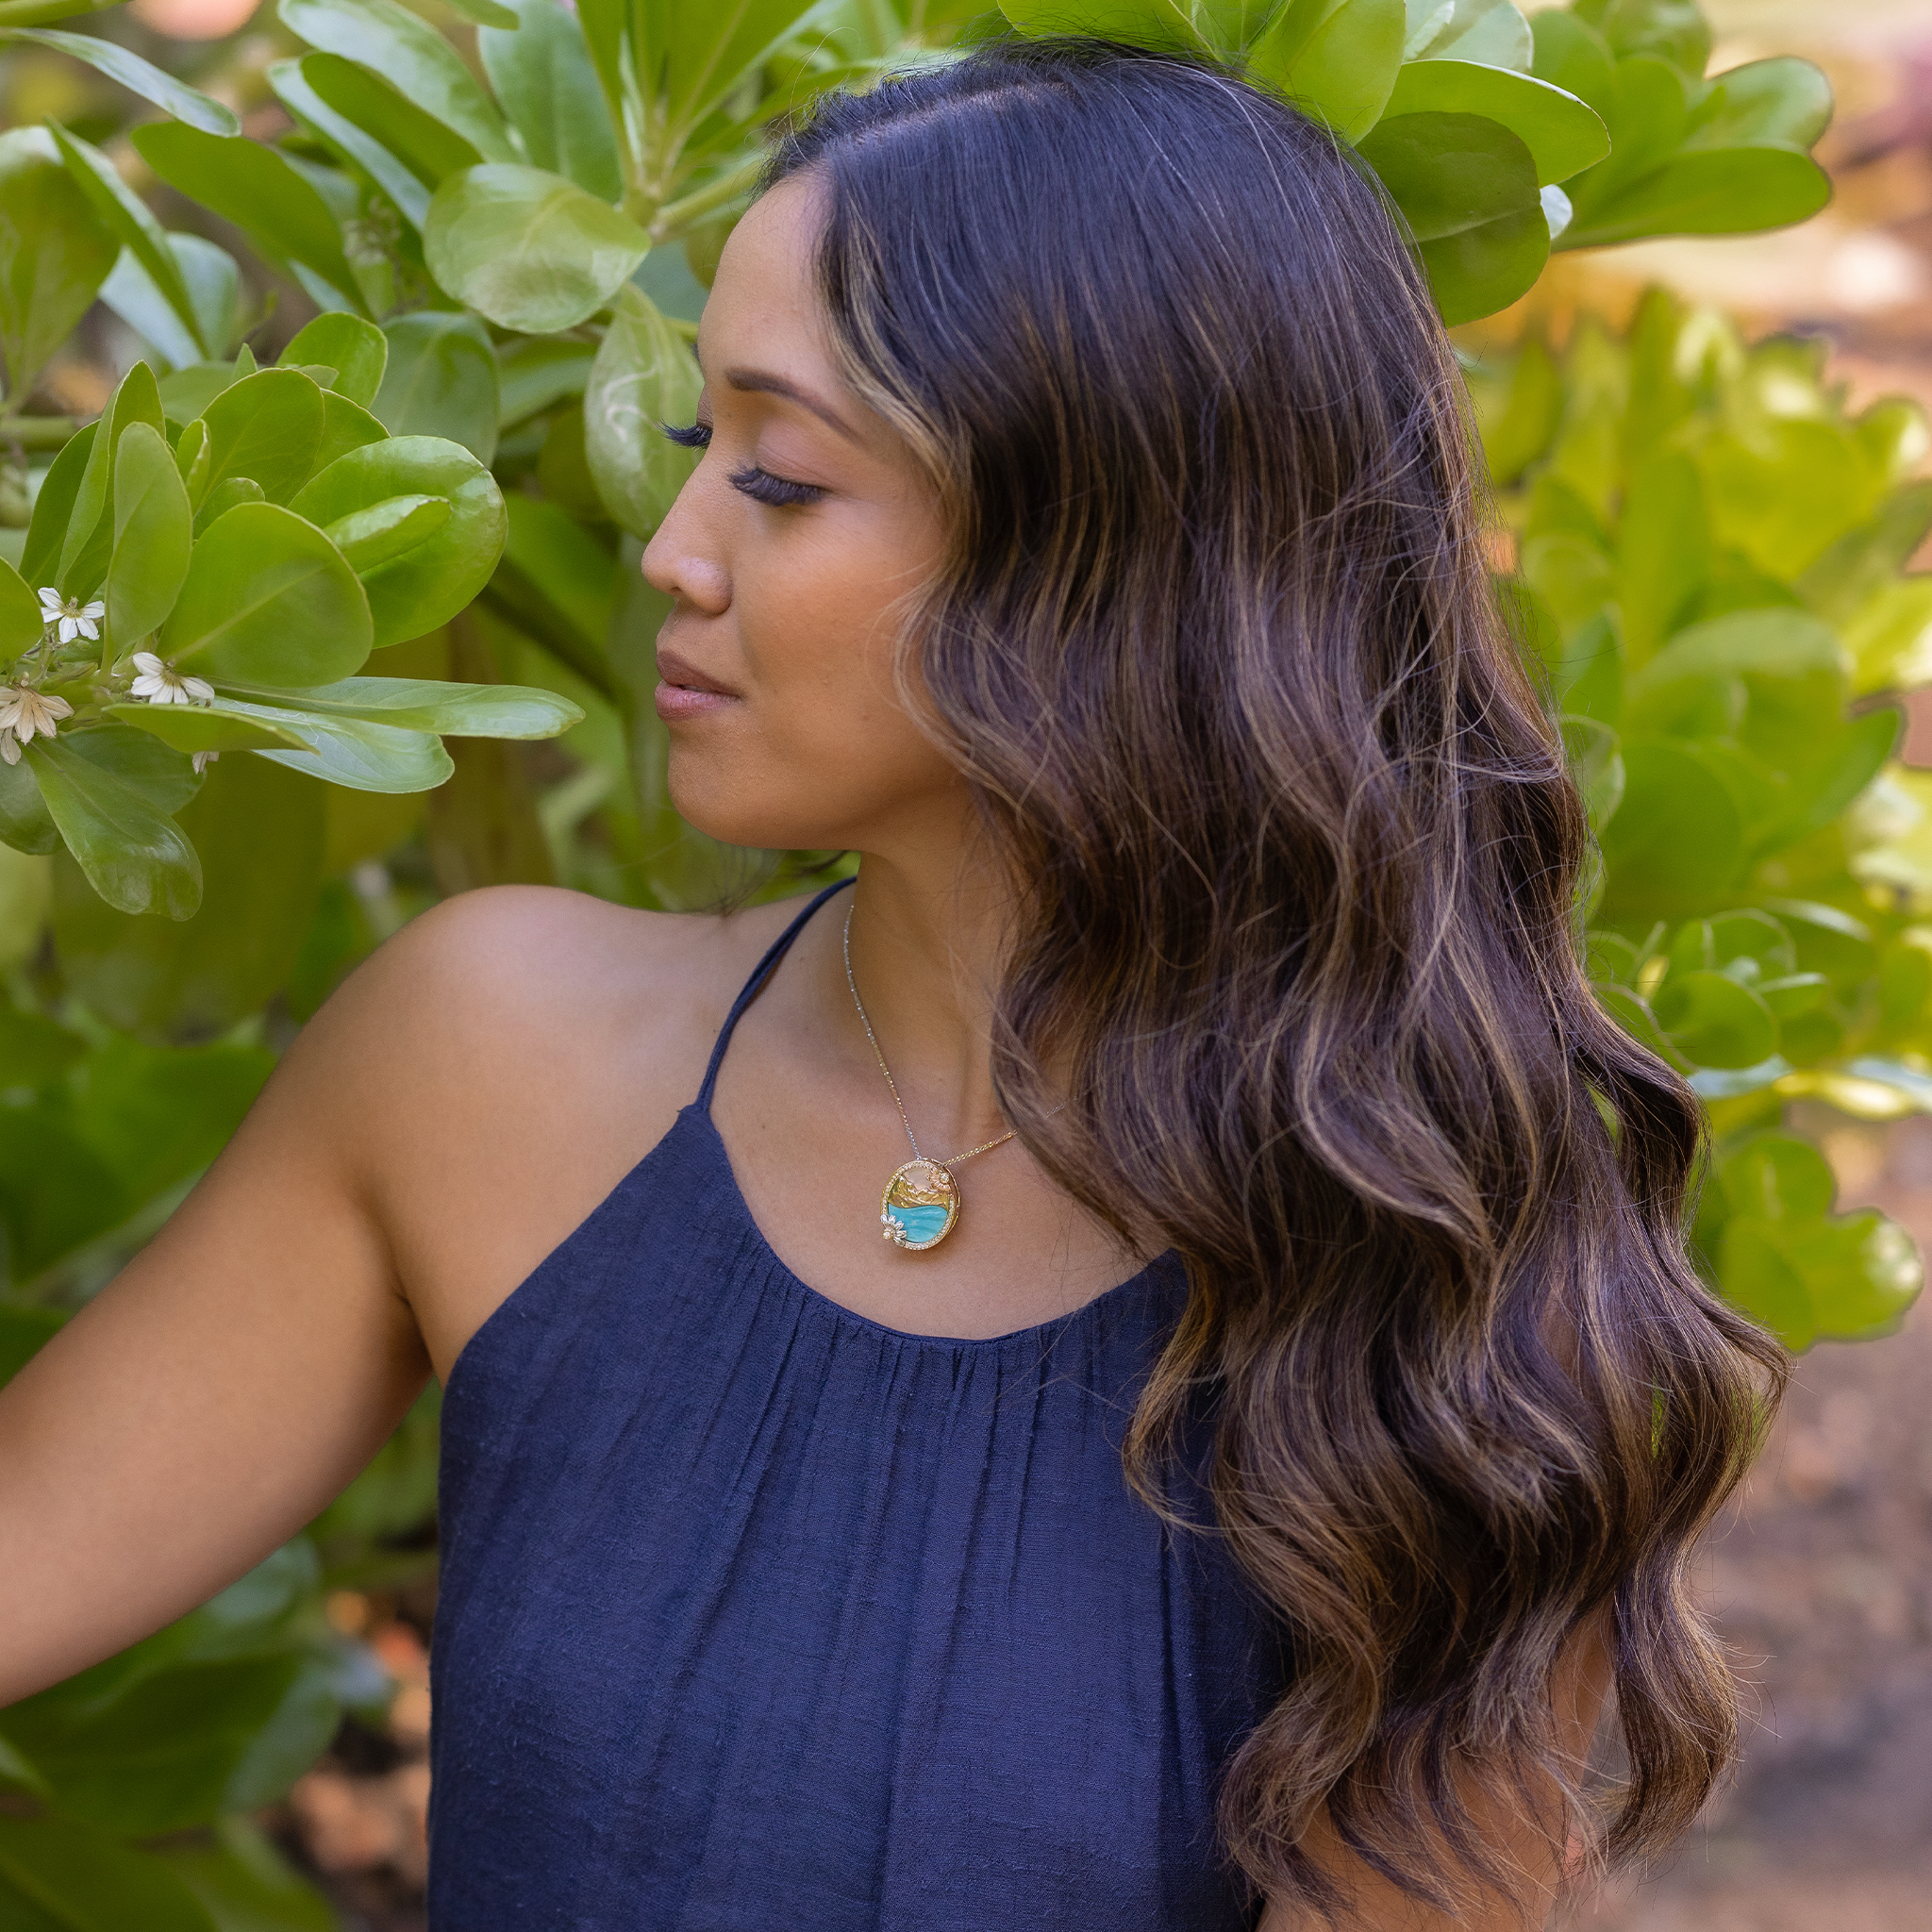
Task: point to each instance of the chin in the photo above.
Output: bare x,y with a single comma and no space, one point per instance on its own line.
767,816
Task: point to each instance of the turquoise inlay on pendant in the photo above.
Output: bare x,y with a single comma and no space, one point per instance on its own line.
920,1205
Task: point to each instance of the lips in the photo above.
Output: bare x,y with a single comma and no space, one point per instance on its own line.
684,692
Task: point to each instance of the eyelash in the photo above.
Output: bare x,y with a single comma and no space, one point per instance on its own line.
776,492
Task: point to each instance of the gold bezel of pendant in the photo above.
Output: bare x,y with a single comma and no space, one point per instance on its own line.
894,1229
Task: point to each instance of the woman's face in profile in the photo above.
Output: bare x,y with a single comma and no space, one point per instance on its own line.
805,525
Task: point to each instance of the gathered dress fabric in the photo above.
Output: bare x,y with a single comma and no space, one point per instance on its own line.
756,1614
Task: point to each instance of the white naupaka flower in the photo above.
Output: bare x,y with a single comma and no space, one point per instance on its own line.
160,683
75,619
24,711
203,760
9,748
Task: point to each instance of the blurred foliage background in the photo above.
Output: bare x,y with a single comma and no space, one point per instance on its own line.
1711,513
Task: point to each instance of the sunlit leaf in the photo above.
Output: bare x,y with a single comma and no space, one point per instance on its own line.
644,376
1562,135
1335,57
529,249
268,599
265,428
153,527
544,78
452,710
357,351
136,76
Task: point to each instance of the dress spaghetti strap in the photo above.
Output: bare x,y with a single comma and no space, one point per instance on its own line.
753,986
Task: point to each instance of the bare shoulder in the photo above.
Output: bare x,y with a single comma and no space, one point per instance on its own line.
493,1071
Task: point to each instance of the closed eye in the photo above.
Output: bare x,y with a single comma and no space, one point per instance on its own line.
776,492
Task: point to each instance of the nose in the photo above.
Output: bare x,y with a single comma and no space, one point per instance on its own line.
683,560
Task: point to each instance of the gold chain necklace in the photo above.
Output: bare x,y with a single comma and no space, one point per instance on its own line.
921,1204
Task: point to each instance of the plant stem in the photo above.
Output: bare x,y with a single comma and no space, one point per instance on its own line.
37,432
39,12
691,209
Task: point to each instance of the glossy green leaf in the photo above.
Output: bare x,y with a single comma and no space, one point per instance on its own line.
1467,186
441,381
1780,644
126,216
153,527
411,54
188,392
535,372
1491,31
1563,136
258,830
345,426
529,249
542,75
1335,57
136,76
25,823
1723,191
364,754
1673,30
1678,838
357,351
430,150
557,585
85,546
703,53
21,622
247,1885
80,1880
211,726
265,428
1571,54
428,584
230,494
644,376
59,253
410,193
386,530
54,508
134,856
268,599
260,191
451,710
1782,101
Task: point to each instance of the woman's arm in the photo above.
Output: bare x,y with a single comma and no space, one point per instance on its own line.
1582,1683
234,1378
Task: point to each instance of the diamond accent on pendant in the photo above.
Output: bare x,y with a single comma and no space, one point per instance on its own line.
920,1205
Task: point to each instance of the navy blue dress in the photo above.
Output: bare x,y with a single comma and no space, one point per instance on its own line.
757,1616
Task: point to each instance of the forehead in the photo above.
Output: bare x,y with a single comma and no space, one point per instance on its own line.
764,299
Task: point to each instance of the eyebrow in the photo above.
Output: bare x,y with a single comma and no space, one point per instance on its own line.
763,382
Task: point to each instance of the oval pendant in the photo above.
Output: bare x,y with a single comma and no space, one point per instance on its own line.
920,1205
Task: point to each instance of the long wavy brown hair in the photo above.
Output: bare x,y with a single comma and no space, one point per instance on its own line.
1296,932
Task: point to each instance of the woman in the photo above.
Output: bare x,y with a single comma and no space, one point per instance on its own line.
1253,1395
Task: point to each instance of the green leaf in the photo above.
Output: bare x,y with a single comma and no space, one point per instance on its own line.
386,530
25,823
211,726
557,585
80,1880
1563,136
430,583
89,526
1572,54
1679,837
1785,102
1663,550
529,249
1779,643
188,392
134,856
34,1050
258,830
357,351
21,622
337,131
153,527
183,1746
1590,750
55,1195
345,426
260,192
23,1332
1338,59
441,381
430,150
1723,191
230,494
14,1767
246,1885
53,507
362,754
265,428
269,599
1673,30
535,372
409,54
1467,186
1491,31
1715,1022
544,76
57,253
644,374
486,13
126,216
451,710
700,55
138,76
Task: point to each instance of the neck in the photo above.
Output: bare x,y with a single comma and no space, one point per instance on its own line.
927,941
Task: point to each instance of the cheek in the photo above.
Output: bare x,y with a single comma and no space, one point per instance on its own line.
821,748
